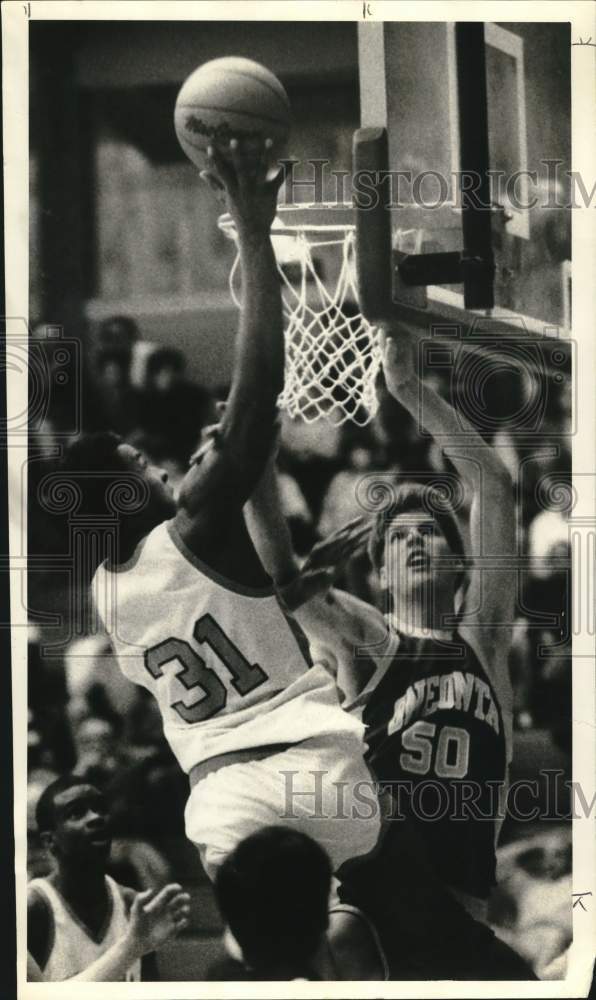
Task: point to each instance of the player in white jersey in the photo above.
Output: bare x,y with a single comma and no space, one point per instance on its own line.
81,924
195,618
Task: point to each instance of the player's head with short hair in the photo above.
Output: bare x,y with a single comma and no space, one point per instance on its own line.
45,815
115,478
417,531
273,892
73,819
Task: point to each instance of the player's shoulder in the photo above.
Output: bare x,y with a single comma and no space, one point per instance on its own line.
367,622
154,550
155,544
342,624
152,565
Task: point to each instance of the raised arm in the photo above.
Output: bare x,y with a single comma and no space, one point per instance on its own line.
269,529
489,603
224,474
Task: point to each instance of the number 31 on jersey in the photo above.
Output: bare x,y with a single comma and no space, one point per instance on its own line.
194,675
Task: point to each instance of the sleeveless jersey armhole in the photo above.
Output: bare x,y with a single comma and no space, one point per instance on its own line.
51,927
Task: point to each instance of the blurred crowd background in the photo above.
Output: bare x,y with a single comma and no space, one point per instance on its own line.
132,330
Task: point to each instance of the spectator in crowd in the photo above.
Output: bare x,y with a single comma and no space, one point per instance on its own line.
97,745
117,397
310,453
341,503
521,671
118,332
171,409
48,698
94,683
297,513
38,860
147,796
530,908
409,450
547,606
82,924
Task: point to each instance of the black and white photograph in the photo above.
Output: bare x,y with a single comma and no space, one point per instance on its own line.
299,355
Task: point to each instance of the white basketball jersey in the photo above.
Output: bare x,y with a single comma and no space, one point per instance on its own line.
73,948
229,667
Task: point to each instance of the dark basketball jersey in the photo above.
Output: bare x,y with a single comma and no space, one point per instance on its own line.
435,732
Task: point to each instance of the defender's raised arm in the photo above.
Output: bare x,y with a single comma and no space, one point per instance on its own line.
489,601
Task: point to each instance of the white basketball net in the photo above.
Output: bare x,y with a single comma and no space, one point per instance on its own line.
332,358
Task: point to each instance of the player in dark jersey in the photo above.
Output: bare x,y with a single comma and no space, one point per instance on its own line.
435,736
431,681
438,703
439,718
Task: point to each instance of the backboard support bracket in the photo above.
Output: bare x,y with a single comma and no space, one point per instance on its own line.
474,265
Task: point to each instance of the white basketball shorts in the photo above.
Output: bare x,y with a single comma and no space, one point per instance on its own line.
321,787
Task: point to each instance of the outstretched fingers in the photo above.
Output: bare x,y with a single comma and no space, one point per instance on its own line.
142,900
180,903
341,545
241,172
245,163
165,898
250,159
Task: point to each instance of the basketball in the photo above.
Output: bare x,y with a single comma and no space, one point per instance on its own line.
231,98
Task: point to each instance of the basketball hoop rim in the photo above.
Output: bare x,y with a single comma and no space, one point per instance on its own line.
332,218
337,219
